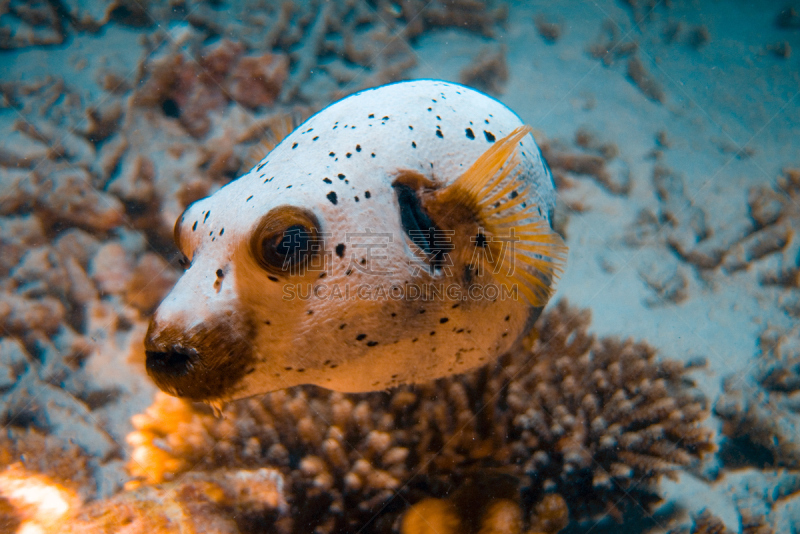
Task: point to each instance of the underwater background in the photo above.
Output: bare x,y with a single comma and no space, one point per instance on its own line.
659,392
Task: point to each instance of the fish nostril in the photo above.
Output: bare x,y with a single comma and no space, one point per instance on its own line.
174,363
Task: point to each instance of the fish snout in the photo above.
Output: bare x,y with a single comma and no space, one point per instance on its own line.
205,363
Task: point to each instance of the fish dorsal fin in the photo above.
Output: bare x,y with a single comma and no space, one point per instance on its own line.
520,250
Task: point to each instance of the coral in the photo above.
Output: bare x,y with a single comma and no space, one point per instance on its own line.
763,409
768,231
698,36
788,17
488,71
706,523
40,480
189,88
608,46
35,452
481,508
34,503
550,31
644,80
596,159
591,420
781,49
30,23
224,502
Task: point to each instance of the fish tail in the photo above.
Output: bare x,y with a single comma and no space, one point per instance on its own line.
520,250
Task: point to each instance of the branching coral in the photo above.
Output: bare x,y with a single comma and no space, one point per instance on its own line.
763,408
595,421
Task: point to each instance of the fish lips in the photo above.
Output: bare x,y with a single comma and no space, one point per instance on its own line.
206,363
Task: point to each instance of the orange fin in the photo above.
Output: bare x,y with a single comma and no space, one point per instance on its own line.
521,251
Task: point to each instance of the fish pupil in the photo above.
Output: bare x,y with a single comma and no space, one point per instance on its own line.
293,242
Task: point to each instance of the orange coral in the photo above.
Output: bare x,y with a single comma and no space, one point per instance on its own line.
224,502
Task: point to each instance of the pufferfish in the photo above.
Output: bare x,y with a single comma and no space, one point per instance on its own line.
399,235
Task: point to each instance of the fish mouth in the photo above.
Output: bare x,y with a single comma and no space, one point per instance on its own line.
177,361
204,364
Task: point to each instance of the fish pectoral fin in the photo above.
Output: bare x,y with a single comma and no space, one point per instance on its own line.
514,243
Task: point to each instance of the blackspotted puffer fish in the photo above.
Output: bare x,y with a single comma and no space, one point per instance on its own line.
399,235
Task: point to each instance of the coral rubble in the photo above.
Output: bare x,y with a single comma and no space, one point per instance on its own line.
762,408
594,421
770,230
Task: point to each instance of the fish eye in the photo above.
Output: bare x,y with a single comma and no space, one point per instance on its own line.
284,240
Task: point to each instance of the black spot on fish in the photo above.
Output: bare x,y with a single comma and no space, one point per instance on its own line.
386,118
371,116
341,176
413,144
207,214
332,197
221,232
220,273
340,250
470,134
194,226
438,118
367,194
513,194
315,138
294,145
260,166
341,326
356,198
373,154
508,317
249,198
274,279
371,343
443,320
331,154
327,180
348,154
433,332
439,134
358,148
489,136
410,127
361,337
